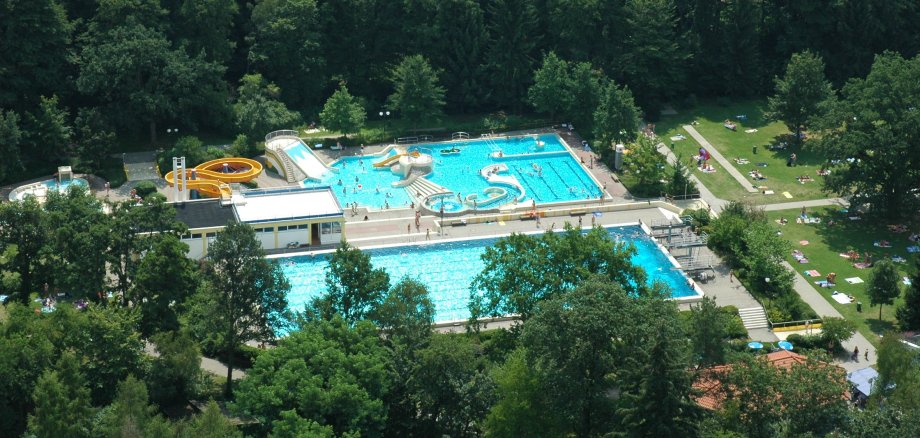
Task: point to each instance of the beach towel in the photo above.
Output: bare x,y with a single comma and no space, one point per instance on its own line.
825,283
906,280
913,249
803,242
787,194
841,298
761,164
898,259
882,244
854,280
750,131
768,192
803,260
861,265
812,273
844,255
678,137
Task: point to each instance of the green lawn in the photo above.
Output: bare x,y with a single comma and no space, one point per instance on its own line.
739,144
826,242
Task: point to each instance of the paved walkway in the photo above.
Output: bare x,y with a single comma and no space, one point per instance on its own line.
721,159
808,293
207,364
812,203
824,309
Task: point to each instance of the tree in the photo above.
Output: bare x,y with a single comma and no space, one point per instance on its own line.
898,383
450,388
342,112
338,373
524,407
165,279
521,270
753,386
511,53
46,129
909,313
551,85
206,26
295,64
354,287
656,399
680,182
245,297
834,331
257,110
78,239
23,225
646,164
653,62
34,53
417,96
406,314
570,344
175,372
873,124
152,83
884,285
10,138
95,139
292,425
802,92
62,403
616,119
586,91
462,37
211,423
708,332
130,414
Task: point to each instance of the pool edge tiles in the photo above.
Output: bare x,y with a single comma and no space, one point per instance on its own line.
306,271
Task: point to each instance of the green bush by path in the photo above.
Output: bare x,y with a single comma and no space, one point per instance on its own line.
825,244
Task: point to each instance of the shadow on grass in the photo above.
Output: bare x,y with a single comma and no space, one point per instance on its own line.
879,327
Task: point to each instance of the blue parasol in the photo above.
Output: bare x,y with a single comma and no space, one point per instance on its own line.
755,345
785,345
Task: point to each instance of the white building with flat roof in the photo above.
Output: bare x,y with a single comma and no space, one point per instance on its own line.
282,218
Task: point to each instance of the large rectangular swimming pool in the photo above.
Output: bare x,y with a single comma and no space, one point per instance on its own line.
448,269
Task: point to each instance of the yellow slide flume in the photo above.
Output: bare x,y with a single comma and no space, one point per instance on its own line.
213,177
394,158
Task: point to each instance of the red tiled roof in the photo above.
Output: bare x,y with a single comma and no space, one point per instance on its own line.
708,384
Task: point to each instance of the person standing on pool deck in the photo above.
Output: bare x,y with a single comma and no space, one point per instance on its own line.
408,228
427,233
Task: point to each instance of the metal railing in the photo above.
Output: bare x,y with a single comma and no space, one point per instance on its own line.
281,133
459,136
807,323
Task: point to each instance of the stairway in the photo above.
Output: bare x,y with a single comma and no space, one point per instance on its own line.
421,188
754,318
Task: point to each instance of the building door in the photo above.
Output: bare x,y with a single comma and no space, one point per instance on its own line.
314,234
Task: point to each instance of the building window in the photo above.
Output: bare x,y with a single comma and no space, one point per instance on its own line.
331,228
196,235
209,235
303,227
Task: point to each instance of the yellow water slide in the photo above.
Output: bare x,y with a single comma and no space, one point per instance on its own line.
387,161
212,178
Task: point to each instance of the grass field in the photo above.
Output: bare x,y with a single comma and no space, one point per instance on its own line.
826,242
739,144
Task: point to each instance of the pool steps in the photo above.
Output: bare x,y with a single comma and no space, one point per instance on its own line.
425,188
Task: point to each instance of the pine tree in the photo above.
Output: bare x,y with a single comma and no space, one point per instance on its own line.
62,402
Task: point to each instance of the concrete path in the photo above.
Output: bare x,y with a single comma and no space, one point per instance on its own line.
824,309
812,203
721,159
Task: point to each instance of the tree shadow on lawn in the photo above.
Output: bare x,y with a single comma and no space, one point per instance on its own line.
878,327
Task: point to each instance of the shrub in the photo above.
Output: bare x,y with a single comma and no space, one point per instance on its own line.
145,188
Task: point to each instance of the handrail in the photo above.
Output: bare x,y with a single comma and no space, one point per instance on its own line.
406,140
460,136
281,133
805,322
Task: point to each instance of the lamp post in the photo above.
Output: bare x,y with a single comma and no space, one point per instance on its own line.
172,131
386,121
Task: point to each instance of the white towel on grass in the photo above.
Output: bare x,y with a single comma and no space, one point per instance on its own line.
854,280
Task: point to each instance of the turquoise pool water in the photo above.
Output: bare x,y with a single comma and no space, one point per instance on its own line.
547,173
448,268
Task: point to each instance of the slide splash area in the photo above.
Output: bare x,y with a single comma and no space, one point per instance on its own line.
212,178
393,159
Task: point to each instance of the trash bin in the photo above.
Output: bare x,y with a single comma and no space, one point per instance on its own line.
755,149
859,306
